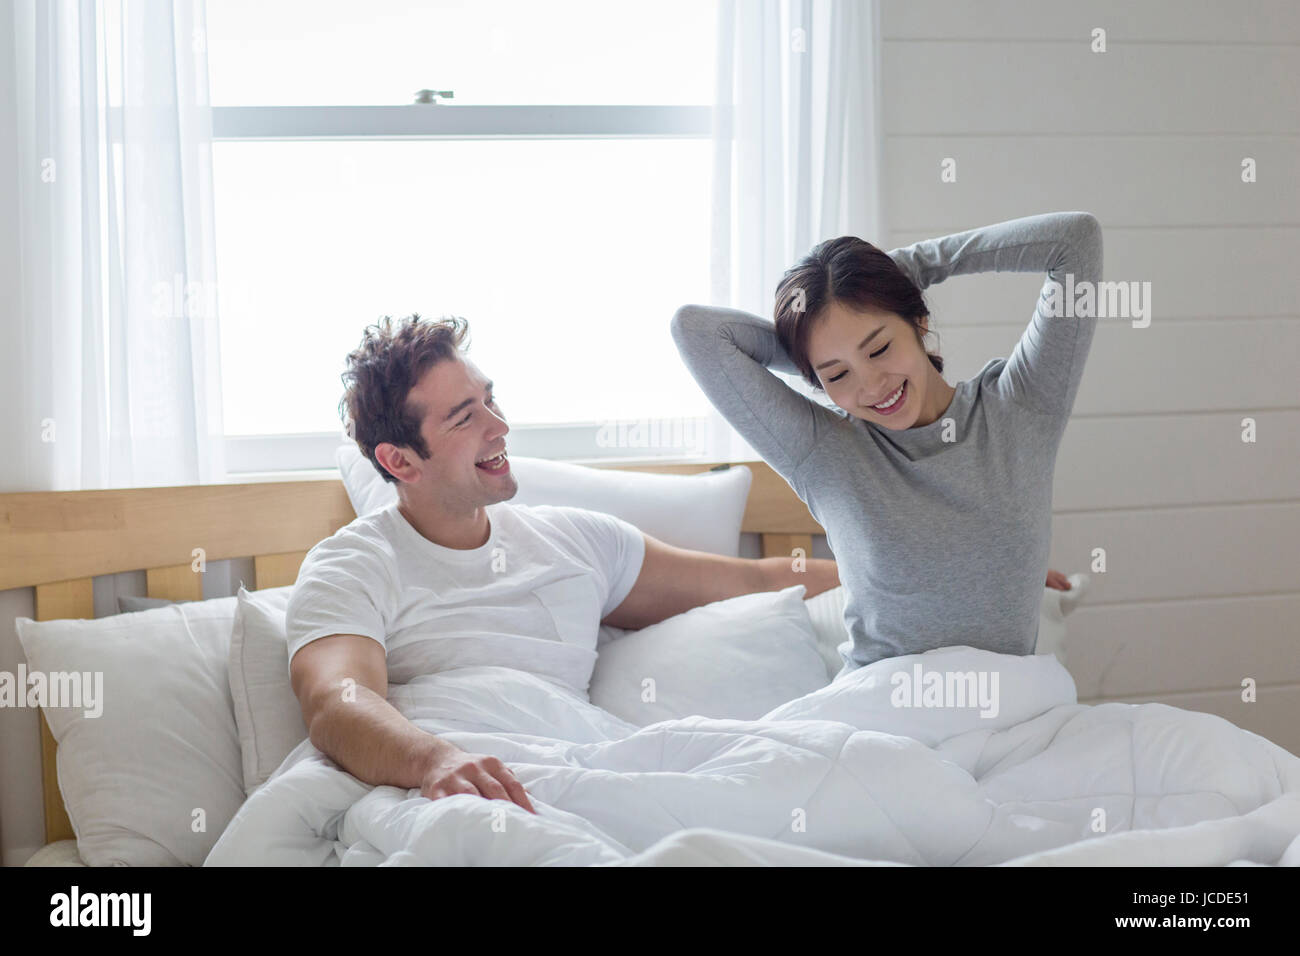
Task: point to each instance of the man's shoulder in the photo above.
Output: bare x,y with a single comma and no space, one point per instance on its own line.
590,536
567,519
530,513
366,539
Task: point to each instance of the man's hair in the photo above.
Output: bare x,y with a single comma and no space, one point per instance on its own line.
380,374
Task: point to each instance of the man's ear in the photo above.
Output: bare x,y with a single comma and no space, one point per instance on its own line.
384,453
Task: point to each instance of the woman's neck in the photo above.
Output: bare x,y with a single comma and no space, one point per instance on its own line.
943,395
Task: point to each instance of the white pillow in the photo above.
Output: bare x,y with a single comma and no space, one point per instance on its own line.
1055,608
702,512
734,659
827,613
267,712
165,744
366,490
826,610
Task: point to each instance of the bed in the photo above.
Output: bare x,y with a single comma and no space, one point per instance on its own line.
852,772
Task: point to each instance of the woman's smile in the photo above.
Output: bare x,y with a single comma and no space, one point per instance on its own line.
895,401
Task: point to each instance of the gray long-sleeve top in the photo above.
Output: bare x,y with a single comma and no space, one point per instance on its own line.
938,543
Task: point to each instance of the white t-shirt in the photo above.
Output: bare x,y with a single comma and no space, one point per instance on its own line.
531,598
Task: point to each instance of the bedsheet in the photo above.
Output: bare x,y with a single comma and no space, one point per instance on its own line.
957,756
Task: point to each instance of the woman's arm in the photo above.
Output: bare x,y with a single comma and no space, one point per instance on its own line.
729,353
1044,371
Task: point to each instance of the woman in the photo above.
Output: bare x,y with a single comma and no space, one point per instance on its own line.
936,500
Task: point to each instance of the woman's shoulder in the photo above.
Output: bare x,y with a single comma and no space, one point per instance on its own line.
991,387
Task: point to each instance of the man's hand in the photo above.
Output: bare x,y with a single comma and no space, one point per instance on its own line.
455,771
815,574
1055,579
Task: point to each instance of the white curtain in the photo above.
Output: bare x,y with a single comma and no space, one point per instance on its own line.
111,368
797,145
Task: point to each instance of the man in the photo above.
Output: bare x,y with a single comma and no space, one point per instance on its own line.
452,575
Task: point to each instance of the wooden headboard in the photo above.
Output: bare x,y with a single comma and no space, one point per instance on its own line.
59,541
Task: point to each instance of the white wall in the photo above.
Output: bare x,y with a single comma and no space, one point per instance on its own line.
1201,531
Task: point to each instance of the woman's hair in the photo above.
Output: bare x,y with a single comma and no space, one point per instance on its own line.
850,271
380,374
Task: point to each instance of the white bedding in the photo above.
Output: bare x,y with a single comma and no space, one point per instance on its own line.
58,853
841,776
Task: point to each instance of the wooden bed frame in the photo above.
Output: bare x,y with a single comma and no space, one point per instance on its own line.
59,541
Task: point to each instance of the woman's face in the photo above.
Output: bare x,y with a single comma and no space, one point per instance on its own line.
862,359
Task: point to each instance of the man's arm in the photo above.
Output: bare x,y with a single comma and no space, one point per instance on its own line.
674,580
341,682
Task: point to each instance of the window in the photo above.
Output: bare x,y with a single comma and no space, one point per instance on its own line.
559,201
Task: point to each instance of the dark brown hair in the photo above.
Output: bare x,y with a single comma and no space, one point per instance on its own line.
850,271
380,374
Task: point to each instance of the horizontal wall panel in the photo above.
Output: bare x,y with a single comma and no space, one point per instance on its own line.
1272,715
961,88
1203,273
1213,21
1172,553
1122,180
1183,365
1191,365
1207,645
1163,460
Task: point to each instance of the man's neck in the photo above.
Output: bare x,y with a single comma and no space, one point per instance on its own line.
459,532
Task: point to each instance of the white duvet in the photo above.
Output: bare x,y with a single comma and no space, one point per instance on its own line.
846,775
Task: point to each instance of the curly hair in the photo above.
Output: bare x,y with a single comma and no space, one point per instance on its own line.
380,374
847,270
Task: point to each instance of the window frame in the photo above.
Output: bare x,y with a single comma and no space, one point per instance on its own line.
250,457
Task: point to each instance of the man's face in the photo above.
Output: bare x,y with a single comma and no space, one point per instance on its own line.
462,425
